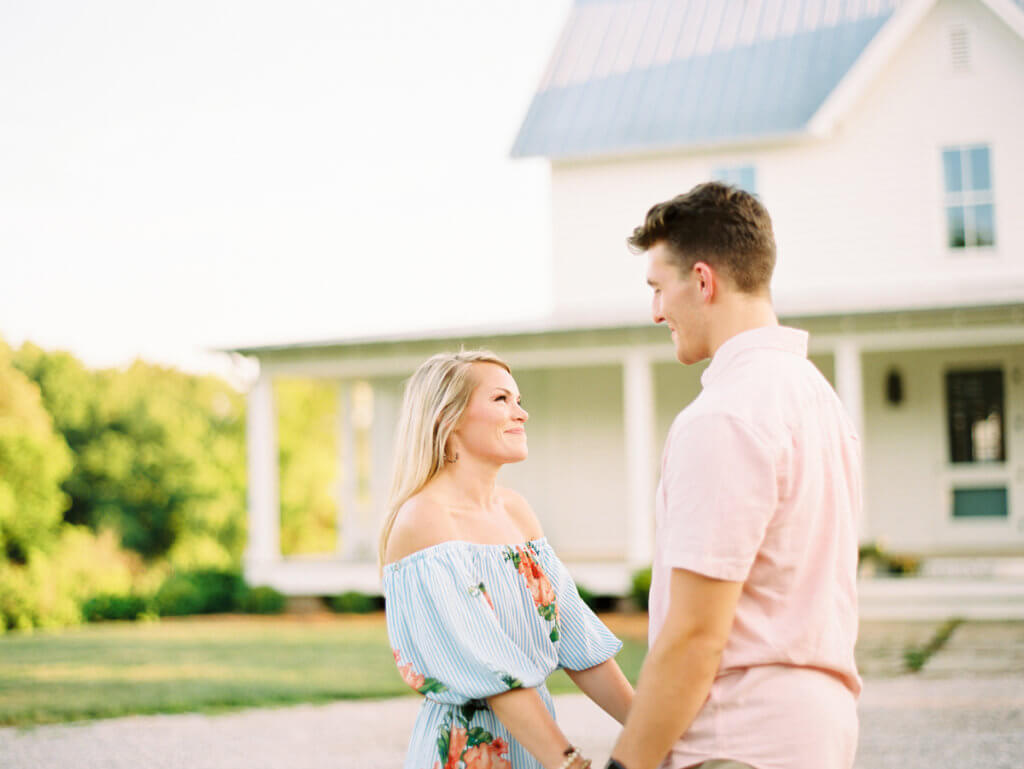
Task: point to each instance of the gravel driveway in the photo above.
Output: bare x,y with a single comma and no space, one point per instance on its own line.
908,722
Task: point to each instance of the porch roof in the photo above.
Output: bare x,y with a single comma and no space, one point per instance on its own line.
550,335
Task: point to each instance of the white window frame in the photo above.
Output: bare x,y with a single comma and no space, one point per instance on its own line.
967,199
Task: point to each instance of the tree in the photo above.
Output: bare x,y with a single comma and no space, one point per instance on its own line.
34,461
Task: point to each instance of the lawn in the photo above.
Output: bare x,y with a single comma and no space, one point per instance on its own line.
206,664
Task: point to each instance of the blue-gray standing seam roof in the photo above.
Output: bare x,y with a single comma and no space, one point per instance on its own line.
632,75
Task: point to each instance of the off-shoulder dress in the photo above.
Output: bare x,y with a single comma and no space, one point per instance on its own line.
467,621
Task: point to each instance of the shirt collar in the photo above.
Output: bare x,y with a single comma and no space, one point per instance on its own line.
783,338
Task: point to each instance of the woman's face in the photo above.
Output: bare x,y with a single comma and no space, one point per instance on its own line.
493,426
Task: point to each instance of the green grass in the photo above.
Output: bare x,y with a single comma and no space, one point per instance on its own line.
115,669
916,657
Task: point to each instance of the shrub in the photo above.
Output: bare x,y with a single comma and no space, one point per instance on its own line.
262,600
114,606
587,597
879,559
641,588
204,591
353,602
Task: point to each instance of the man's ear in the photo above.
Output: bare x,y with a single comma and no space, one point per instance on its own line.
707,281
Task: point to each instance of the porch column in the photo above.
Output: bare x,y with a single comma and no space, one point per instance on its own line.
387,398
850,387
349,533
638,397
263,545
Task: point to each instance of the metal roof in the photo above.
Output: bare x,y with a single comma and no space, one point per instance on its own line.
631,75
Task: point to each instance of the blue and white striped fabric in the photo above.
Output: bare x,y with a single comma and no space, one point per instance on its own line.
467,621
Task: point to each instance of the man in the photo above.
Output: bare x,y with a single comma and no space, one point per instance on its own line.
753,608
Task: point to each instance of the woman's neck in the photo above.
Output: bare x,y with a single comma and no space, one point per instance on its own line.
469,483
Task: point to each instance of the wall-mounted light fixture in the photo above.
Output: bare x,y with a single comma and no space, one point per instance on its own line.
894,387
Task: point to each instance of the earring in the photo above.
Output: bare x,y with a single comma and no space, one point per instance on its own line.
452,460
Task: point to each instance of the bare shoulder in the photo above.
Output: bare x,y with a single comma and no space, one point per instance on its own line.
521,512
421,522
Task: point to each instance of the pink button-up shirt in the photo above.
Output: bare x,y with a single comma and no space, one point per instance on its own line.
761,484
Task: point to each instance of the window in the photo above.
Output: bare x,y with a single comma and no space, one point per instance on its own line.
743,177
975,408
981,503
970,216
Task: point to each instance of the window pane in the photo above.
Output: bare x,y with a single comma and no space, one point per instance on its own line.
951,166
974,403
980,503
984,226
747,179
743,177
955,226
977,163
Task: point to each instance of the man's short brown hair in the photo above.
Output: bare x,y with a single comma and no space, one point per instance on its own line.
724,226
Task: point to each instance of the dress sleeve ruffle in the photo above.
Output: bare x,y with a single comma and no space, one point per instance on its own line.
445,637
584,640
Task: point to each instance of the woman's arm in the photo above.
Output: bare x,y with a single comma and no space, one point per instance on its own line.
524,714
606,685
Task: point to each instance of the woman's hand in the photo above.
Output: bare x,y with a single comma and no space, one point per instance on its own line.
527,719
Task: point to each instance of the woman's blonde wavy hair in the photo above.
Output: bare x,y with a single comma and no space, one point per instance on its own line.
435,398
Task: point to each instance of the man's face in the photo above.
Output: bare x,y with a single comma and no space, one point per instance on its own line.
678,303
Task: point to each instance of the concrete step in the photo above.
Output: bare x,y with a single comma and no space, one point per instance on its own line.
936,598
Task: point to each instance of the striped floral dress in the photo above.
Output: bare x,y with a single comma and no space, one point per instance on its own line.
468,621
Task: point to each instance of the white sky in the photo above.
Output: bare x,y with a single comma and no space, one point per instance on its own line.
187,174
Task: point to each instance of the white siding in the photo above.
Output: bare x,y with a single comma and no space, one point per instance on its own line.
859,216
908,496
575,475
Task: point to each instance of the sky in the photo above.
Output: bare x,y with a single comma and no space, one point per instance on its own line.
182,176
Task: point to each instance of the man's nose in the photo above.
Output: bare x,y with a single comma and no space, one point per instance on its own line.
656,311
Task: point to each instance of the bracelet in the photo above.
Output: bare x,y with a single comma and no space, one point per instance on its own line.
571,754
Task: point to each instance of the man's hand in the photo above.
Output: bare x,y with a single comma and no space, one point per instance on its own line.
680,668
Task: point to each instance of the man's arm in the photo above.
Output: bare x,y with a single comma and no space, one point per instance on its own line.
680,668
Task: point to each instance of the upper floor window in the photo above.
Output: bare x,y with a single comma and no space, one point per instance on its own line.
970,215
743,177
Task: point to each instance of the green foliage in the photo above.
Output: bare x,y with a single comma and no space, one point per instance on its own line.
159,455
34,461
916,657
587,597
204,591
114,606
262,600
307,413
47,590
353,602
640,589
872,556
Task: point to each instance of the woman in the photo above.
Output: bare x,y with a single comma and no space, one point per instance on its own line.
480,611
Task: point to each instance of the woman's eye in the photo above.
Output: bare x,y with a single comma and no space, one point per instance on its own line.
501,398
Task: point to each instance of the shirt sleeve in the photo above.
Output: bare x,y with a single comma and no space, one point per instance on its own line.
584,640
445,637
720,492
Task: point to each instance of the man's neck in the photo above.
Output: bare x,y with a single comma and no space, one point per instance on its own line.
737,313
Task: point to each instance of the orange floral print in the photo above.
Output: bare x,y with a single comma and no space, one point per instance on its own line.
417,681
539,585
488,756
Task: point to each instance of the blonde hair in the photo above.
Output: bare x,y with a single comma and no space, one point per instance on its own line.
435,398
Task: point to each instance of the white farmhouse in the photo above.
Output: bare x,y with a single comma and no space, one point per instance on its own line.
884,137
